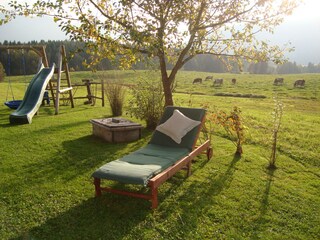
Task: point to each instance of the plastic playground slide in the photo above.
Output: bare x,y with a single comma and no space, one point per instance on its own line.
33,97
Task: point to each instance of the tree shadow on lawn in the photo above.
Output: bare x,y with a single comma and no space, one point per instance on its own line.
259,223
85,154
78,159
96,152
4,117
107,217
95,218
198,197
4,113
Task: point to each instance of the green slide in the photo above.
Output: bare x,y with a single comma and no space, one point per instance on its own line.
33,97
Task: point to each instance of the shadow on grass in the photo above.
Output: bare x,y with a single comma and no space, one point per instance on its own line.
69,172
259,223
95,218
265,198
225,179
4,117
48,110
76,158
43,112
198,197
6,125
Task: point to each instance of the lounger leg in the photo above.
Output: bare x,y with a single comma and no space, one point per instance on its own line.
154,198
189,169
209,153
97,182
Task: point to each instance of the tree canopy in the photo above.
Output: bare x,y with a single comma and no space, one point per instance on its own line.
173,31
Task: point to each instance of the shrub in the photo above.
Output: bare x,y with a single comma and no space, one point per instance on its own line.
232,123
147,102
115,92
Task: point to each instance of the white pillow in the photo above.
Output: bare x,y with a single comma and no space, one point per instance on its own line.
177,126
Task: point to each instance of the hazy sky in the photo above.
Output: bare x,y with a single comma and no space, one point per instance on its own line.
302,29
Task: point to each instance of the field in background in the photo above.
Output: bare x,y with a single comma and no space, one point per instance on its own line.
47,192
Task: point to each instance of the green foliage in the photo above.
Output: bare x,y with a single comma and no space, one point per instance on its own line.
147,102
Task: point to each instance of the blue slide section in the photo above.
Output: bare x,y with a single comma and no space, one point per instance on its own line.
33,97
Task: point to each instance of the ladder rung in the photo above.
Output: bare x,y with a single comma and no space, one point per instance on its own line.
56,70
65,89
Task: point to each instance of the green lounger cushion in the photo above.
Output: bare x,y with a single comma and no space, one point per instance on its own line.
140,166
172,153
126,172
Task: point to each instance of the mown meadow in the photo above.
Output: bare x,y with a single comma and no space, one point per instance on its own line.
46,189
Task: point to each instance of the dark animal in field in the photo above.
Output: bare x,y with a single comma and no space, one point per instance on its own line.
197,80
278,81
233,81
209,78
299,83
218,82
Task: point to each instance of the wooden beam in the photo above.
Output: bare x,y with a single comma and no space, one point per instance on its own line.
65,90
38,49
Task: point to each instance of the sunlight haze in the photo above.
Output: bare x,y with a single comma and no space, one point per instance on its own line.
301,29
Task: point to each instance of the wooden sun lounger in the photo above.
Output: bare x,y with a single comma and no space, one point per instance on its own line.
153,183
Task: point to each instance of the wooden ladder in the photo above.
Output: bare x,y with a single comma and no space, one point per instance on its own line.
57,90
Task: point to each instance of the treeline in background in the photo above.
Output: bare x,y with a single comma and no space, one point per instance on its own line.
23,62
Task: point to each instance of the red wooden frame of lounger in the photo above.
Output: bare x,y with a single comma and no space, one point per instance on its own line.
160,178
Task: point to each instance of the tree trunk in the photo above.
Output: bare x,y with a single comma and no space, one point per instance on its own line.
167,91
166,81
272,161
239,150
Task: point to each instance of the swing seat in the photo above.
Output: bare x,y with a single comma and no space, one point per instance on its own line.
13,104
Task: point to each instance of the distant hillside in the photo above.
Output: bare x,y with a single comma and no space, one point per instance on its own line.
23,62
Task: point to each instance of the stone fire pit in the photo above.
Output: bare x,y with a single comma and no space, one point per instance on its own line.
116,130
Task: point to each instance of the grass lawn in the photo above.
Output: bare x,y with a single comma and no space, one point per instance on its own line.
46,191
